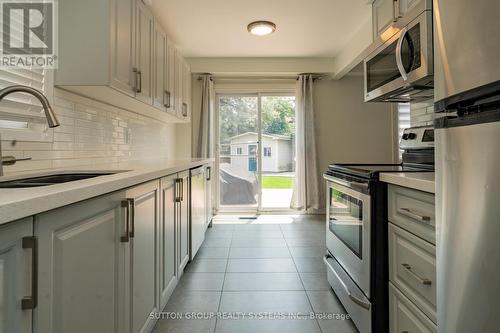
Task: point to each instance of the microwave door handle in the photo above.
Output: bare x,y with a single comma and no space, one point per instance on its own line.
399,58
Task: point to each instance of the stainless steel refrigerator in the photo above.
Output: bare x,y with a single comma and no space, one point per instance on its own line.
467,90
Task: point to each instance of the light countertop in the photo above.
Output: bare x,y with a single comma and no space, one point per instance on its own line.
422,181
17,203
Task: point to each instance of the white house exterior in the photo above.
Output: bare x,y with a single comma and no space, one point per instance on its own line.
277,152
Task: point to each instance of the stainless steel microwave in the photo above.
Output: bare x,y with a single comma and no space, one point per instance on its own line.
402,69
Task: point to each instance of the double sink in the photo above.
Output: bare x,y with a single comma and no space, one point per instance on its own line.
52,179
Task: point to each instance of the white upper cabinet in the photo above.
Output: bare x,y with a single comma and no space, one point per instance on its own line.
122,48
178,73
143,67
160,98
396,14
108,51
383,16
186,91
171,76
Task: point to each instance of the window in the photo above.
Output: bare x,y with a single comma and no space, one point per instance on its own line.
403,120
239,151
267,151
21,115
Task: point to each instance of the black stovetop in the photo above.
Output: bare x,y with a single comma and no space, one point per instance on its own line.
372,171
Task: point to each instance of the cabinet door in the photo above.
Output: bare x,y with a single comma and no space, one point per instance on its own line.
122,46
383,16
406,6
144,254
179,73
168,240
160,68
15,276
144,53
171,76
186,91
183,221
82,264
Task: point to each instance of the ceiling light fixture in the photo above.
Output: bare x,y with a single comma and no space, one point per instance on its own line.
261,28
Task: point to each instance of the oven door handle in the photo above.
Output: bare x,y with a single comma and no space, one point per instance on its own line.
353,298
363,187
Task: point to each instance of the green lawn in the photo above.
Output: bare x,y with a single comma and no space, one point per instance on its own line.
278,182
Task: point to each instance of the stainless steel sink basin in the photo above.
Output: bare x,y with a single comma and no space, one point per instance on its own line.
52,179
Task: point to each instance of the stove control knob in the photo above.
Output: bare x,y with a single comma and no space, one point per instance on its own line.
405,136
412,136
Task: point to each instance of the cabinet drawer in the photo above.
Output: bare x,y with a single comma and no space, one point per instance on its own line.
412,268
414,211
405,316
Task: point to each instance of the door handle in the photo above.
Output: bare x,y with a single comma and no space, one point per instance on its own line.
409,213
131,202
353,298
399,59
126,204
422,280
31,302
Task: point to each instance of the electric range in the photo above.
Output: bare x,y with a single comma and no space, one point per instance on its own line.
356,225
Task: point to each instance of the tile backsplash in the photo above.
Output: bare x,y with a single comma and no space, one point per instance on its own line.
422,113
93,133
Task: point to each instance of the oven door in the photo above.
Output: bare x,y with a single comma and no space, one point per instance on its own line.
403,65
348,231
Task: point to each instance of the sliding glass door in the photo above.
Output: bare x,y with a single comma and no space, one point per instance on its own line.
255,152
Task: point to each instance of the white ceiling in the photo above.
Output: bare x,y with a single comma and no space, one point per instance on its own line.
305,28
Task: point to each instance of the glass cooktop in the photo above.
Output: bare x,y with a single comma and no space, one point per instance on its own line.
372,170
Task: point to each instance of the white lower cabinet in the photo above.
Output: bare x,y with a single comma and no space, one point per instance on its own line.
144,265
183,220
83,268
17,272
405,316
101,265
168,239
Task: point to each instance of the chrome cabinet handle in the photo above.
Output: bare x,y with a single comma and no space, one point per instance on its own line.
394,17
177,190
126,204
422,280
399,58
131,202
209,173
139,75
134,71
184,110
397,10
11,160
353,298
409,213
182,186
31,302
166,98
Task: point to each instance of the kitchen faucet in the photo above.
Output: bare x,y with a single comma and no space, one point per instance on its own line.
49,114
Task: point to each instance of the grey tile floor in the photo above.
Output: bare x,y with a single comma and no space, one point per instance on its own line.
257,276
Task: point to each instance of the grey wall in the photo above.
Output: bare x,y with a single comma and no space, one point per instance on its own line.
348,130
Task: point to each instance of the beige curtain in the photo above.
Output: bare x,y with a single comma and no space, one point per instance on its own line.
205,135
306,194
